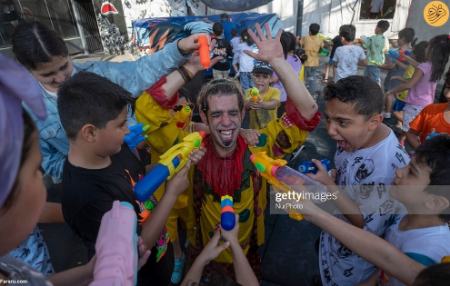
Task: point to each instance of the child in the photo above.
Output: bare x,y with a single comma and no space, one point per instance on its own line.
100,169
22,191
415,240
336,43
376,46
395,68
220,48
288,41
312,45
368,154
348,56
422,86
50,64
262,108
433,118
242,62
417,57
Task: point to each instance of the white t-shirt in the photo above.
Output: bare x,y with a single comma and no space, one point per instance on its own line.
245,61
366,174
347,57
425,245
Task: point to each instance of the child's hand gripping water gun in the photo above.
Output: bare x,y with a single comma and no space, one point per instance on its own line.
309,167
169,164
136,135
227,219
283,177
254,95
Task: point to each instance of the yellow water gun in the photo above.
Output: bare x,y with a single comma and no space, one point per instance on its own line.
172,161
273,171
254,95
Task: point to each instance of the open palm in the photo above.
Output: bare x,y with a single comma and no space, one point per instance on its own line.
269,48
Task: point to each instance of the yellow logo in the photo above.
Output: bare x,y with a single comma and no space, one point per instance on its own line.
436,13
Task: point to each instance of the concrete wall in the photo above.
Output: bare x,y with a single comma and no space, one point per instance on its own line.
425,32
331,14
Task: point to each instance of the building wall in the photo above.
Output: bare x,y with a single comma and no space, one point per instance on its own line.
331,14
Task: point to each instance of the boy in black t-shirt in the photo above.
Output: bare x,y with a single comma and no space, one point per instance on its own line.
101,169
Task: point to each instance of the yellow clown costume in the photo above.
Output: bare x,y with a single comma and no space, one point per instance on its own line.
167,127
215,176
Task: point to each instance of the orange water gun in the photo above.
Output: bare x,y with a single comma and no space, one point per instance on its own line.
203,51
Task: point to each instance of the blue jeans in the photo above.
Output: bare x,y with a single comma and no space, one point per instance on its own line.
246,80
373,72
311,79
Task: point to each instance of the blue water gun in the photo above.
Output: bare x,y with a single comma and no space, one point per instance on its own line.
169,164
136,135
399,55
227,218
310,167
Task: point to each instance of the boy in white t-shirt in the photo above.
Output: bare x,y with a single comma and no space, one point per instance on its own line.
366,160
348,56
414,241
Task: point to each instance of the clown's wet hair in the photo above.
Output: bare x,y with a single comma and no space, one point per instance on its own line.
216,87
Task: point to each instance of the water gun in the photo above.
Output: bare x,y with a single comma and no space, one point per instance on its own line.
399,54
310,167
183,117
136,135
227,218
169,164
203,51
254,95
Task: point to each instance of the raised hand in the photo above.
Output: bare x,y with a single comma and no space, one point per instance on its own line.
269,48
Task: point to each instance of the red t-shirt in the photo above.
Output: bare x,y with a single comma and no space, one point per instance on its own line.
431,117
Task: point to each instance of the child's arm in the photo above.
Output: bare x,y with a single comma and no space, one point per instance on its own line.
346,205
152,227
52,213
413,138
418,74
271,51
211,251
244,273
369,246
81,275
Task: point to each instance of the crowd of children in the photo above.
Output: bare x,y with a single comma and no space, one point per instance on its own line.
391,213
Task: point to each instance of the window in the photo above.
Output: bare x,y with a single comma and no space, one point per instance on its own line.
377,9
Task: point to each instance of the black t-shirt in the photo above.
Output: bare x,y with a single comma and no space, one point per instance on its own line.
222,48
88,194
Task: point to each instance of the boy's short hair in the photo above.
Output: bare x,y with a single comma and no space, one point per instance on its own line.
347,32
87,98
435,153
314,29
383,25
364,93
